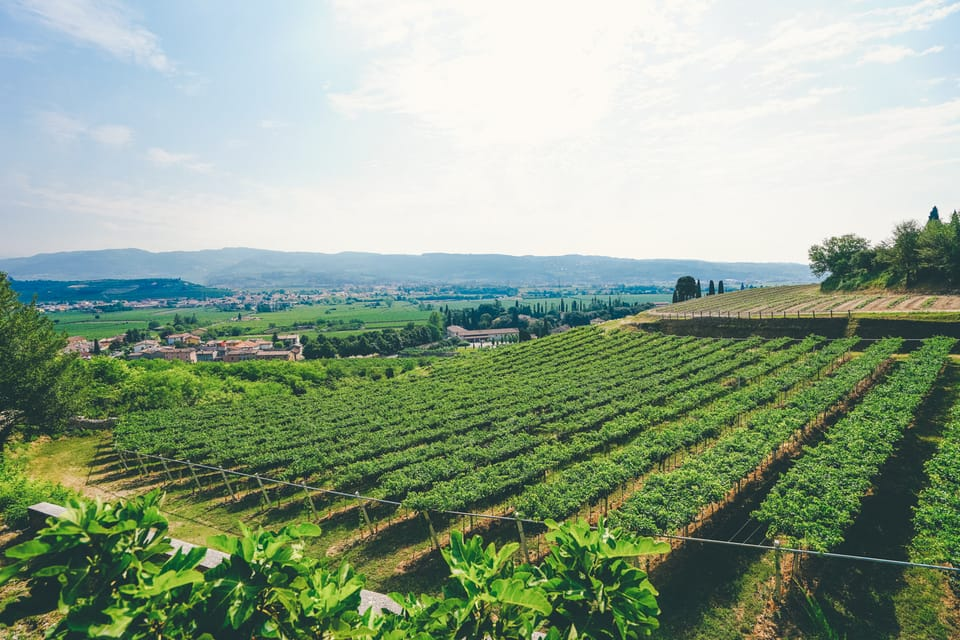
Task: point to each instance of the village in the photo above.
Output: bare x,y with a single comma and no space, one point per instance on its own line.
188,347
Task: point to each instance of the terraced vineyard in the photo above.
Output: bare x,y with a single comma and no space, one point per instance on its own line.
660,432
807,300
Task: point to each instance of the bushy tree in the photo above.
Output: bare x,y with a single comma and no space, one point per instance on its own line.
686,288
33,368
839,255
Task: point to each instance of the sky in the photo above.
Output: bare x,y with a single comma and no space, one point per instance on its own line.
719,130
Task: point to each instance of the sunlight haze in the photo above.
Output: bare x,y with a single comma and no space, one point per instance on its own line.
689,129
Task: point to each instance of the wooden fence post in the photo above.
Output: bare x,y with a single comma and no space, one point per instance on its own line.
366,517
263,490
223,474
433,532
523,541
306,492
167,470
195,478
778,586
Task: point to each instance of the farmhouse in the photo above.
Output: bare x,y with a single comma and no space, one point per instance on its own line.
483,336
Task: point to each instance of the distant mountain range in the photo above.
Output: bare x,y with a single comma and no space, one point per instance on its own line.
128,289
242,268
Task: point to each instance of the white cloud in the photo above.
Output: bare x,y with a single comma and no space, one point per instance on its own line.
191,83
60,125
112,135
65,128
817,37
893,54
13,48
501,72
105,24
164,158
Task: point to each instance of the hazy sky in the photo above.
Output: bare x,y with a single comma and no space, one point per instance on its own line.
686,129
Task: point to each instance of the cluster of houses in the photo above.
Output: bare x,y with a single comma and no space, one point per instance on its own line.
188,347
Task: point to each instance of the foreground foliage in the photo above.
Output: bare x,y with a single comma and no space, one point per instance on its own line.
32,369
107,569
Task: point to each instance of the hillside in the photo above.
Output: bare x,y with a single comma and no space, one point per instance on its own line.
808,300
256,268
661,433
67,291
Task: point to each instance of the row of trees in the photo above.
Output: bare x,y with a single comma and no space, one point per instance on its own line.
384,342
914,257
687,289
538,318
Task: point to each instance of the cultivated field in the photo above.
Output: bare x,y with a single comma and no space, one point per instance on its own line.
335,318
663,434
807,300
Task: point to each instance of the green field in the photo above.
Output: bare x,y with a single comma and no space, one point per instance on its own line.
375,314
107,324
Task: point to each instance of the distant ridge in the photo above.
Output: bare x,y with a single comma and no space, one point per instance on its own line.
129,289
259,268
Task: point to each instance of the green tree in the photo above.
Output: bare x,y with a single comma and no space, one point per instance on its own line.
711,289
32,364
720,286
685,289
904,253
322,347
840,255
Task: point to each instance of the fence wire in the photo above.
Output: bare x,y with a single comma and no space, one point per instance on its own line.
493,517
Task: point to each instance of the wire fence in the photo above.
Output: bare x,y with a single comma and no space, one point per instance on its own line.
363,500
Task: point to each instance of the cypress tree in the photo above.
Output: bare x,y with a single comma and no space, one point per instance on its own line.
711,289
699,288
720,286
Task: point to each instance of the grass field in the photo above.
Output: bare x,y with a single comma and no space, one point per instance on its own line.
107,324
374,315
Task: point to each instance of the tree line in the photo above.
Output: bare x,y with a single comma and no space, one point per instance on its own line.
382,342
539,318
914,256
688,288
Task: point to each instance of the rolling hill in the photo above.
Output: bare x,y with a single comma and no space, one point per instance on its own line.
250,268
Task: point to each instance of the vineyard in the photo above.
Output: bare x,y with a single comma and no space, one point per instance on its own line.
808,300
661,433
